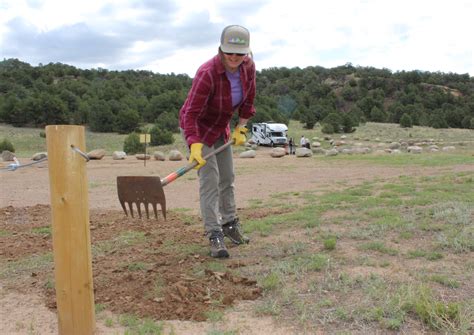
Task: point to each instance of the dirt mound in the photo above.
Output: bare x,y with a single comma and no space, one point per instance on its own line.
150,268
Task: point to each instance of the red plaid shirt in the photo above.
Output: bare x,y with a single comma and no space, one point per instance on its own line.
207,111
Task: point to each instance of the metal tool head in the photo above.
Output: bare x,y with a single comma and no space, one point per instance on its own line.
143,191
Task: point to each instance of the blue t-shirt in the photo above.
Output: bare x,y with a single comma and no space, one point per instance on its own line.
235,87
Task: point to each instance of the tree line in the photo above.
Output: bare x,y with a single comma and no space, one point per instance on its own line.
338,98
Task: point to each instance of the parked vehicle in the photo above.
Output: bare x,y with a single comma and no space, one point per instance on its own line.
269,133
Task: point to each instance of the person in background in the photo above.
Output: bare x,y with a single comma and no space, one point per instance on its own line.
222,86
303,141
291,145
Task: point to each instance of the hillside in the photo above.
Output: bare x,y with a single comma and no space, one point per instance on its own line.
342,97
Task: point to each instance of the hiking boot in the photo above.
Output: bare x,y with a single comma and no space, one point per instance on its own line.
218,249
233,231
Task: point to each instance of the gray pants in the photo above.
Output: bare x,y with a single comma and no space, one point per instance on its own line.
216,188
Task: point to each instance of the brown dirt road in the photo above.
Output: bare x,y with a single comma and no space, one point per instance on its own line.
258,178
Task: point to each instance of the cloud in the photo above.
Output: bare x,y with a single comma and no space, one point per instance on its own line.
178,35
76,43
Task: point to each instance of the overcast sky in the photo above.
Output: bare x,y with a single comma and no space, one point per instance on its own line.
167,36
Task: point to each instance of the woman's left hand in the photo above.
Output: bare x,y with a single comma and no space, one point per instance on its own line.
239,135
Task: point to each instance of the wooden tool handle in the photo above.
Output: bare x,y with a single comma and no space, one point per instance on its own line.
178,173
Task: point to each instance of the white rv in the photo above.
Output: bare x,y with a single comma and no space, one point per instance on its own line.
269,133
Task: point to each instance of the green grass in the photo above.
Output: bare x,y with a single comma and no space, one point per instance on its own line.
271,281
135,325
124,240
434,212
380,247
29,264
214,315
5,233
136,266
42,230
407,159
330,243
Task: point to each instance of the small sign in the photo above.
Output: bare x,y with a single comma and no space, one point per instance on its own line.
144,138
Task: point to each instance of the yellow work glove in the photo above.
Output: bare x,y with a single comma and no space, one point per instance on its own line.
196,155
239,135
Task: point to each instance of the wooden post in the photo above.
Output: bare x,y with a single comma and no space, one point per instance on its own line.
70,227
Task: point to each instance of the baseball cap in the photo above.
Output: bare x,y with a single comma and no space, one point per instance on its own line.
235,39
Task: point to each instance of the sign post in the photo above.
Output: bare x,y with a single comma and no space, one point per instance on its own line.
145,138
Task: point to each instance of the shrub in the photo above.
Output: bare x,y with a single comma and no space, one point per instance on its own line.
6,145
468,122
327,129
406,121
348,123
377,115
160,136
335,120
132,144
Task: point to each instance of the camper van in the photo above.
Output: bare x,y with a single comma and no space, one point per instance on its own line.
269,133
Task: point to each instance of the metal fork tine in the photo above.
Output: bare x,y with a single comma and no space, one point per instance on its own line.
146,210
139,210
130,207
122,203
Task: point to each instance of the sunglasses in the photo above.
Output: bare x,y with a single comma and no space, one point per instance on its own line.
233,53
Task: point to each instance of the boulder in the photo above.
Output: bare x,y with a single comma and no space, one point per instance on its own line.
331,152
142,157
39,156
175,155
248,154
394,145
7,156
159,156
379,152
414,149
96,154
318,150
449,148
303,152
278,152
346,151
361,150
119,155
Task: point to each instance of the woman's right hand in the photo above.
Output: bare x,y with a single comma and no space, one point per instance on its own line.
196,155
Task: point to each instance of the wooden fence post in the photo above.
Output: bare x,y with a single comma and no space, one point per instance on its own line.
70,227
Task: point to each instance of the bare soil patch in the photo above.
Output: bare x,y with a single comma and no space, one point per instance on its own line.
150,277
